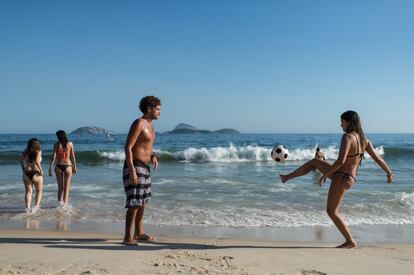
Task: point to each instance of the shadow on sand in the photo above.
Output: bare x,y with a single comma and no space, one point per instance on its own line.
115,244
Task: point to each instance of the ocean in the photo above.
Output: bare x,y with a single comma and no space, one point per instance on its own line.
216,180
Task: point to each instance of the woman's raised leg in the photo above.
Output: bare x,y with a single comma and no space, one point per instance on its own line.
308,166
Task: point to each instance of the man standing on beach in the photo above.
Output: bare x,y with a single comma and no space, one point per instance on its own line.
136,172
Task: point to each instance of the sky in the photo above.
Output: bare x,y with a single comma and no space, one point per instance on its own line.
256,66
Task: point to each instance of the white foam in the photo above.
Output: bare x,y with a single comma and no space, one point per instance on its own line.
86,187
253,153
397,211
120,155
379,150
50,214
162,181
255,217
405,199
220,181
330,152
225,154
66,209
11,186
234,153
116,156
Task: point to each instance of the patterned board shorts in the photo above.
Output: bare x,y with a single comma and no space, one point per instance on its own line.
140,194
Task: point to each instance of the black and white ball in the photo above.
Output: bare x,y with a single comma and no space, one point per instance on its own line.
279,153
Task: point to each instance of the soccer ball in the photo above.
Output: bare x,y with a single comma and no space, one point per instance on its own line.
279,153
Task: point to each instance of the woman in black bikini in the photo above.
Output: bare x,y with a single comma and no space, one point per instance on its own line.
32,174
62,152
343,171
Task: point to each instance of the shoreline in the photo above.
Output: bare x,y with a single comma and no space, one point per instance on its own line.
363,234
52,252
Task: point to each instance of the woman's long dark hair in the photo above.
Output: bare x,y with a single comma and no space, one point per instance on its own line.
33,147
63,139
354,123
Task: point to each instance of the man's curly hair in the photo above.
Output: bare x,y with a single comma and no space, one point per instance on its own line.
148,101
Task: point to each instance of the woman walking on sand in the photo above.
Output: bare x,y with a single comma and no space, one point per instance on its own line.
62,152
30,161
343,171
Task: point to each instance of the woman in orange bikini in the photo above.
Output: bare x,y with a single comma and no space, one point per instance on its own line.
32,174
343,171
62,152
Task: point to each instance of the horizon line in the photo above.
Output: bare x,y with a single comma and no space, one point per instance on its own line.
240,133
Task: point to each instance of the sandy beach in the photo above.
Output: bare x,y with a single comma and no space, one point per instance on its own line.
53,252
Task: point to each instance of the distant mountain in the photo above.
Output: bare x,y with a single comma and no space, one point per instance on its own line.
184,128
189,131
91,131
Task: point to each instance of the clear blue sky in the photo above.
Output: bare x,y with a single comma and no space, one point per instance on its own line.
257,66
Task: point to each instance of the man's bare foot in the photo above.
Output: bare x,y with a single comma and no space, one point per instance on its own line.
348,245
144,237
130,242
283,178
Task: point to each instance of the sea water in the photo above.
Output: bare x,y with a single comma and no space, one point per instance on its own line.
220,180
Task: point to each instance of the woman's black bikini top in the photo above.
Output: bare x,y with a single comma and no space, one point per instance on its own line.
360,154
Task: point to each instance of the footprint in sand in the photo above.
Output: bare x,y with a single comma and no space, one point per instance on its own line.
188,261
226,260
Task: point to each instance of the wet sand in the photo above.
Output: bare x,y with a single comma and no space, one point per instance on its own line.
57,252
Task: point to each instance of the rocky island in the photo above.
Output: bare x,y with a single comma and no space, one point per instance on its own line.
89,130
184,128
